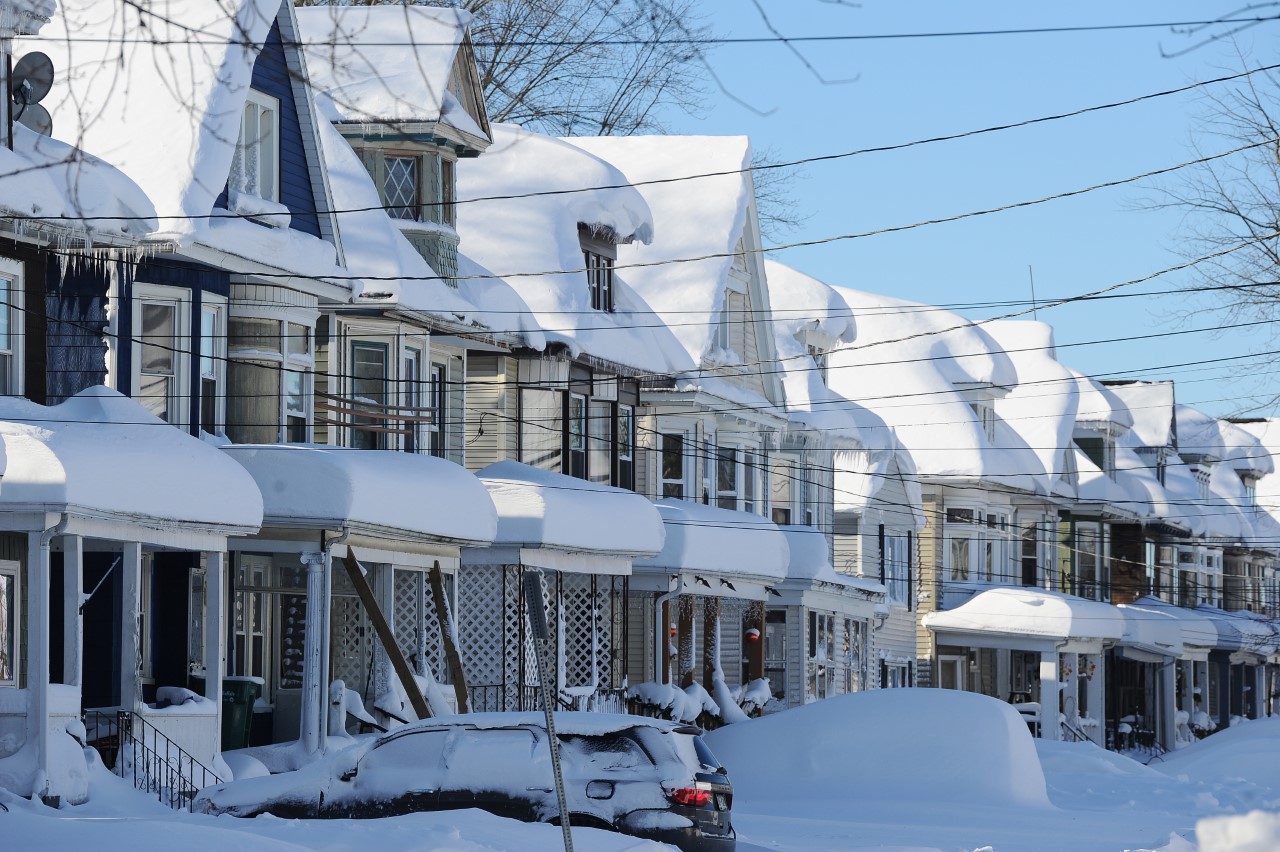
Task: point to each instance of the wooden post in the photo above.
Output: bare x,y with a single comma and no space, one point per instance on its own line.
444,618
710,641
664,641
385,635
755,650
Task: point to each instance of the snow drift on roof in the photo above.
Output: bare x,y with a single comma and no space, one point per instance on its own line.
1196,629
540,508
1031,612
1099,404
517,236
380,491
1239,631
1157,631
810,559
103,455
1237,447
389,63
1268,488
695,219
1198,433
1150,405
25,17
45,177
706,538
1042,406
909,365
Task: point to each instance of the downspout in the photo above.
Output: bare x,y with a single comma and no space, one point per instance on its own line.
660,640
326,549
38,712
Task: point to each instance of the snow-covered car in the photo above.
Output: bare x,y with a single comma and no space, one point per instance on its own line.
645,777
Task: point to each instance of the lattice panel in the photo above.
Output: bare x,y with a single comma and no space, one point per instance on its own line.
483,623
352,654
432,635
579,604
406,609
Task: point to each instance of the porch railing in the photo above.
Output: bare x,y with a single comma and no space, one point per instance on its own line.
136,751
499,697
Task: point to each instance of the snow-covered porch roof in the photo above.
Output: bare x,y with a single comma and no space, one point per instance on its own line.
715,552
552,521
1238,632
117,472
388,500
1149,634
1197,632
1026,617
813,582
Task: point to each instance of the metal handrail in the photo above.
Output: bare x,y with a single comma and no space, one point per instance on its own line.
159,765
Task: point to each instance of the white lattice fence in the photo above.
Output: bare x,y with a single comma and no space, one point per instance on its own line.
352,640
407,616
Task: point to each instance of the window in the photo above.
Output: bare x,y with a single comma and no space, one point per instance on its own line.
210,372
10,612
1030,555
1099,450
437,395
780,492
894,675
448,192
897,558
822,654
400,187
732,316
269,376
411,398
250,651
958,552
10,342
369,388
254,166
626,447
600,441
673,465
541,436
750,482
775,650
727,477
821,360
576,422
158,373
599,279
986,416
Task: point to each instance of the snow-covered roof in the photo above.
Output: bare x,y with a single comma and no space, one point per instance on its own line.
1153,630
534,243
1199,434
1096,487
101,455
1238,631
1099,404
386,63
1195,628
539,508
810,559
45,177
912,365
1031,612
1042,407
1150,405
694,220
1267,431
706,538
166,111
377,492
25,17
1146,497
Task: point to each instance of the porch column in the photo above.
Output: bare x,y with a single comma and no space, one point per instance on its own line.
1050,689
215,634
38,660
130,629
1167,697
1095,687
710,641
315,639
686,641
72,620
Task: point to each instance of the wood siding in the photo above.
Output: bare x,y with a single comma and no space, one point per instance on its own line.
491,405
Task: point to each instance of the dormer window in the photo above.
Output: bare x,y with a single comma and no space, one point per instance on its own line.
599,253
255,167
986,415
1099,449
400,187
820,359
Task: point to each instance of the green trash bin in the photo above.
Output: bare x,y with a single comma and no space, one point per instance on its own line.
238,696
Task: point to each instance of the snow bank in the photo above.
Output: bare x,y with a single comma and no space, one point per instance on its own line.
1250,751
706,538
918,745
1256,831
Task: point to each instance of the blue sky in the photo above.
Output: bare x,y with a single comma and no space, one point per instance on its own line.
915,88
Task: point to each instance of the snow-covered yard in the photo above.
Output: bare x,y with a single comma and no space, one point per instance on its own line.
886,769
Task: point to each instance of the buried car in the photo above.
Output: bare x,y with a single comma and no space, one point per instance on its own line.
646,777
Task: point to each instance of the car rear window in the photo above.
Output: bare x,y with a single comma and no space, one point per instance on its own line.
602,753
705,757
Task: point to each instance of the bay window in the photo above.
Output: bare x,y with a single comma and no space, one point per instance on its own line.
400,187
369,378
269,376
726,460
672,448
541,435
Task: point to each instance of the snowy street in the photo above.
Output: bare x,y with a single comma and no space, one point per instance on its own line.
843,774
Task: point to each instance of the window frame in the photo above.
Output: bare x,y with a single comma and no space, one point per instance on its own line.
14,274
415,206
665,482
286,363
238,178
13,631
377,425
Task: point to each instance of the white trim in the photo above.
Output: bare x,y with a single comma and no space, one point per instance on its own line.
10,568
14,272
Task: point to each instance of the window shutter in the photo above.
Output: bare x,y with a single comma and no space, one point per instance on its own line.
813,634
880,535
884,673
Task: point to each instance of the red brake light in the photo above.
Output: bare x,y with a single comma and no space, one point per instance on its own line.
691,796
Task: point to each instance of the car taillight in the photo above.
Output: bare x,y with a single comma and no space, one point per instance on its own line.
691,796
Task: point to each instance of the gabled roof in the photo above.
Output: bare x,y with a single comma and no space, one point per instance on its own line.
699,223
167,113
533,241
401,64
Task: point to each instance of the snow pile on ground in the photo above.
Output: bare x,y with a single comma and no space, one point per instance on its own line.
1246,755
803,760
1257,831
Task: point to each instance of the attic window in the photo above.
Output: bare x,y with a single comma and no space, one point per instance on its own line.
599,253
400,187
255,165
820,359
986,415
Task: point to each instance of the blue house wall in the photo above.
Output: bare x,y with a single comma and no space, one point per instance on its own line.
271,77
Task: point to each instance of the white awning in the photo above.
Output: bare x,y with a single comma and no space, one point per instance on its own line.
538,510
1033,613
103,459
718,541
377,493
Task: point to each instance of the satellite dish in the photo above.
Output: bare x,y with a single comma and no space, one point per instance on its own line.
32,80
37,118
